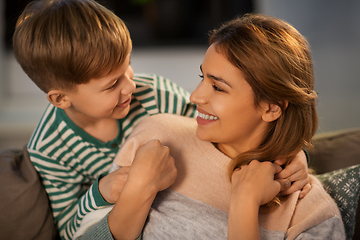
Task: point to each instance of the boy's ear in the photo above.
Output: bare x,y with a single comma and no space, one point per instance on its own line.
58,98
273,112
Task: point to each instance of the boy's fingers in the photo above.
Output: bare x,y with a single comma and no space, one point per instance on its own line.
284,184
291,171
280,161
298,176
294,187
285,173
137,150
306,189
124,169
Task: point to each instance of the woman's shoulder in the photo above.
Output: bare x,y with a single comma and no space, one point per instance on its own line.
296,216
170,122
318,198
316,204
316,208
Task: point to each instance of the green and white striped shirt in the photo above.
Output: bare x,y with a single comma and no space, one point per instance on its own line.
70,161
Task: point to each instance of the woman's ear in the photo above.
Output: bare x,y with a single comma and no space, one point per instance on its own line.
273,112
58,98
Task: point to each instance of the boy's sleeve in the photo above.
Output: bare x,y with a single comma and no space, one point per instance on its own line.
69,193
173,99
99,230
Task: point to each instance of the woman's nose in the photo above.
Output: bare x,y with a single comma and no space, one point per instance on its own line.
198,96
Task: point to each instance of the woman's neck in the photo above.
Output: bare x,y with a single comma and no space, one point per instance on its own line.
227,150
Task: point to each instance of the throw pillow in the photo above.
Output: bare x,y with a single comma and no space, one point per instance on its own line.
343,185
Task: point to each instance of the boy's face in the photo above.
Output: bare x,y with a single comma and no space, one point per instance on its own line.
105,97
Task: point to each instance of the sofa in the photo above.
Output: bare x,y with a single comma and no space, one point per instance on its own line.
26,213
335,159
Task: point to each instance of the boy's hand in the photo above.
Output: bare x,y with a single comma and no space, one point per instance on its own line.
111,185
153,167
297,173
152,170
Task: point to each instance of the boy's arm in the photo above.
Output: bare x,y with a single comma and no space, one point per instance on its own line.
152,170
68,191
174,99
170,98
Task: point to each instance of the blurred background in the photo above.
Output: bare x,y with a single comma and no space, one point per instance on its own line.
170,39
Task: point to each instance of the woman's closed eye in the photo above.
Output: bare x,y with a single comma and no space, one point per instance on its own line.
216,88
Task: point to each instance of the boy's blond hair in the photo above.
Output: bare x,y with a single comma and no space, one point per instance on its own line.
63,43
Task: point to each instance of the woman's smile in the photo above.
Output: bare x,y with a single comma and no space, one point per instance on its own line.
205,118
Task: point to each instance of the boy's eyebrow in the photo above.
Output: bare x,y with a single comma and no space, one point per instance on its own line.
219,79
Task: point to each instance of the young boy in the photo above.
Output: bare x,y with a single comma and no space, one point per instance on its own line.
78,53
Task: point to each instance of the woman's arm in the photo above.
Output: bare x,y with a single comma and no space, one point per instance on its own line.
152,170
252,186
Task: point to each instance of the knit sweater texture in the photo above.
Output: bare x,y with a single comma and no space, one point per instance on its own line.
196,206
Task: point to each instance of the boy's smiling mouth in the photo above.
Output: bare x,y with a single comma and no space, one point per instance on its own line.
125,103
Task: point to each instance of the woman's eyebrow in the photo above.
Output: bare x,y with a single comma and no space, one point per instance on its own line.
219,79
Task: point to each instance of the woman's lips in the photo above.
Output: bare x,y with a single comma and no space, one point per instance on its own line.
205,118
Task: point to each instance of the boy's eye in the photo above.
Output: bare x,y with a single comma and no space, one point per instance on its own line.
201,76
114,85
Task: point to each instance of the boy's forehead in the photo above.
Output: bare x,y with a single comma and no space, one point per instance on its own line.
124,65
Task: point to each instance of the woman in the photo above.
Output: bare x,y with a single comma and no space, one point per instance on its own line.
256,103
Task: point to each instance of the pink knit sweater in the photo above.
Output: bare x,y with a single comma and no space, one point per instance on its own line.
202,176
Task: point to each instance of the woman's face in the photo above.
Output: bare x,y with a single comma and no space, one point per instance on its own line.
225,102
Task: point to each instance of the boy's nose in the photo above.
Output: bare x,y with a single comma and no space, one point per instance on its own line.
129,88
129,84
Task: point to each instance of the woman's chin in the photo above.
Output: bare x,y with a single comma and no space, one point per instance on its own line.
202,135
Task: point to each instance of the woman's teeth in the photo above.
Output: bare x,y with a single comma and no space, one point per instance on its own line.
207,117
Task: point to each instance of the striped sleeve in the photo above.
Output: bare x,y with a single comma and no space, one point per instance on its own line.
69,195
168,96
68,165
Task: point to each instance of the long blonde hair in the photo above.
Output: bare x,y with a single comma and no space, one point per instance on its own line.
276,61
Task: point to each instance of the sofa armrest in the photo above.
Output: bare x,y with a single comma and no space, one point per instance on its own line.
334,151
24,204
